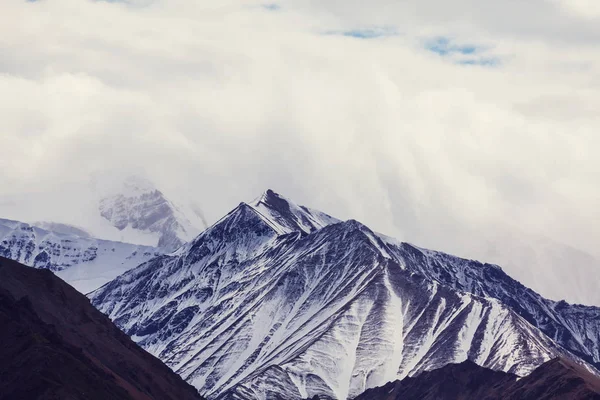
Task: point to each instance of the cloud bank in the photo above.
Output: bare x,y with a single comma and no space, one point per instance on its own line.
342,106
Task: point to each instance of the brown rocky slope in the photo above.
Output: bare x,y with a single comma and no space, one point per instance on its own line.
557,379
55,345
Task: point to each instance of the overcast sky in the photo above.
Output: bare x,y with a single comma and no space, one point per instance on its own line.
428,120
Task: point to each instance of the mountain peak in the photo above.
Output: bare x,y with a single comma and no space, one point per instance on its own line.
289,216
270,197
108,184
274,201
134,203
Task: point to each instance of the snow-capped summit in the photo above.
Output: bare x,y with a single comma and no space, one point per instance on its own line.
286,216
135,204
110,206
279,301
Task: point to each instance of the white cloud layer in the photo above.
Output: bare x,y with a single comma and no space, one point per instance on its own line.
218,101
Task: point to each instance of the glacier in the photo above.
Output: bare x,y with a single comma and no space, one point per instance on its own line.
129,209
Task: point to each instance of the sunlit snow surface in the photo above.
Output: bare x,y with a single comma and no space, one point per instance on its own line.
83,262
280,300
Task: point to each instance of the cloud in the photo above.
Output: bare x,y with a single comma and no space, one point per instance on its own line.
484,61
219,101
586,9
271,6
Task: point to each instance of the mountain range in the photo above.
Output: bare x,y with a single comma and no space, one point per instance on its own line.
276,299
279,301
133,209
139,221
83,261
129,209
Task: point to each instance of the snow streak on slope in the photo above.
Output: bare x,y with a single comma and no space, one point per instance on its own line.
285,216
575,327
84,262
279,300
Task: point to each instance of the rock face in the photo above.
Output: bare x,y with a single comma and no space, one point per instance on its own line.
556,379
280,301
576,327
55,345
139,206
84,262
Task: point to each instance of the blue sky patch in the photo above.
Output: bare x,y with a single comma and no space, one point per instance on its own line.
444,46
463,54
368,33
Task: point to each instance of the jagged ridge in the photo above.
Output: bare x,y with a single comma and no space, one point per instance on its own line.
269,301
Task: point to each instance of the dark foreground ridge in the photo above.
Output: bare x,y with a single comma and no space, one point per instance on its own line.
557,379
56,345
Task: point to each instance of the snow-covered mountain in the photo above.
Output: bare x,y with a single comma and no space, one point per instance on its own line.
110,206
139,211
276,300
550,267
66,229
84,262
136,204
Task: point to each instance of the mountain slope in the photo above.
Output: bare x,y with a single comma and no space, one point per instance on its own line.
576,327
556,379
466,380
272,302
56,345
84,262
554,269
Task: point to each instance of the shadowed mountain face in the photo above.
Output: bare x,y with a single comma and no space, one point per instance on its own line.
466,380
55,345
555,380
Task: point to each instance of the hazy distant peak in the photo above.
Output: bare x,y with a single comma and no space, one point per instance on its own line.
62,228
